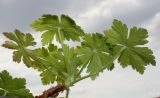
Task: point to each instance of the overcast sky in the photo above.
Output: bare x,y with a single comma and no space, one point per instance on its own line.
92,16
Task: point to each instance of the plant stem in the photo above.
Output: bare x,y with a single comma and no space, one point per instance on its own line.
5,91
67,93
110,62
62,45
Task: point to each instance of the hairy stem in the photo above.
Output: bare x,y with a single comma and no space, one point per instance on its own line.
5,91
62,43
67,93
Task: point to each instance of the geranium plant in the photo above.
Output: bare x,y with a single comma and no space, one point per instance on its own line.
63,65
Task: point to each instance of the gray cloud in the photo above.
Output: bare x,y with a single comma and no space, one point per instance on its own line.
19,14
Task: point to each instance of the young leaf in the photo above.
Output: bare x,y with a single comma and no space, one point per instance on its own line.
133,54
51,25
13,87
72,62
19,42
94,53
65,64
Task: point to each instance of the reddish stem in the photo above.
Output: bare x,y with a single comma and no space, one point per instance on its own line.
52,92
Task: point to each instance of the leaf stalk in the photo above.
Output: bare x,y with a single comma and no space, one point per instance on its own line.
67,93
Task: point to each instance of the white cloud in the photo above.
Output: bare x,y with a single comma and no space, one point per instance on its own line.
98,17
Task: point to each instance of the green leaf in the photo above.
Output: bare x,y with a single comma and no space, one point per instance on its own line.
17,56
48,56
10,45
10,36
121,29
52,26
137,36
64,64
71,60
94,53
134,54
47,77
14,87
19,42
29,40
49,61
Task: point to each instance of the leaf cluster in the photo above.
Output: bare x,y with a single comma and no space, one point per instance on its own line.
96,52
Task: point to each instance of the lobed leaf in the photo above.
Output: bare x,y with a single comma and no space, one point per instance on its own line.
94,53
14,87
19,42
51,26
135,55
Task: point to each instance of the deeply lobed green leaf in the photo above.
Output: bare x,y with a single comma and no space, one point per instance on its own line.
94,53
14,87
52,26
19,42
135,55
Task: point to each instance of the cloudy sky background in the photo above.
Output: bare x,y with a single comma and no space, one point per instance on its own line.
92,16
